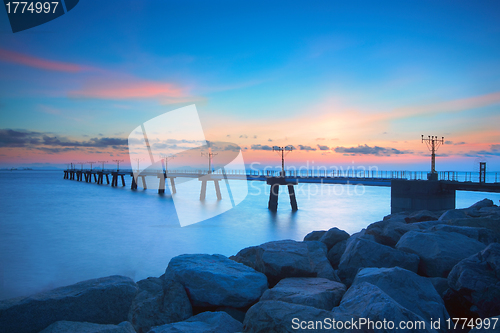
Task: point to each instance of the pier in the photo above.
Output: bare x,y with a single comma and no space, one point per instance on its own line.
410,190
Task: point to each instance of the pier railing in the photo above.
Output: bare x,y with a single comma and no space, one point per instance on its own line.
459,176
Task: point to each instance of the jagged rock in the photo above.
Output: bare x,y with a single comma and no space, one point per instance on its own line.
336,253
439,251
317,292
288,258
491,222
440,284
454,214
483,235
367,301
489,211
205,322
78,327
422,216
481,204
333,236
477,279
215,280
364,253
314,235
490,329
427,225
283,317
158,304
389,232
411,291
101,301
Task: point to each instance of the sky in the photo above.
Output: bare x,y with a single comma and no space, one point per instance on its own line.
343,82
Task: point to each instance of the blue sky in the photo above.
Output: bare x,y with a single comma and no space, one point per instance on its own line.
339,74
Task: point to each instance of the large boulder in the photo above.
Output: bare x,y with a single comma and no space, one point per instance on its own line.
439,251
284,317
483,235
440,284
336,252
288,258
77,327
482,204
101,301
364,253
477,280
205,322
317,292
333,236
416,293
159,303
314,235
215,280
389,232
367,302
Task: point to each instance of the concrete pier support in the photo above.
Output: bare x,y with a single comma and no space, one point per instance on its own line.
203,191
275,183
414,195
133,186
172,185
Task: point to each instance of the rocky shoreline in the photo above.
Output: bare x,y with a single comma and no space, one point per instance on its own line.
421,267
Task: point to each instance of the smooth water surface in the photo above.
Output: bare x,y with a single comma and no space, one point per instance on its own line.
56,232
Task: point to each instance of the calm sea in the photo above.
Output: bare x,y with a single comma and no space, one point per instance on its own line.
56,232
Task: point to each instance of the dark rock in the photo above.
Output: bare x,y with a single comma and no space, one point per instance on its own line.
283,317
214,280
317,292
101,301
333,236
492,321
490,211
422,216
477,279
453,214
77,327
288,258
482,204
427,225
365,300
314,236
439,251
336,253
205,322
389,232
151,284
492,223
440,284
364,253
457,306
237,314
483,235
411,291
155,307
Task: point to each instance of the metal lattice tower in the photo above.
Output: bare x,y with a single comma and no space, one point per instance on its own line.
117,164
284,151
433,143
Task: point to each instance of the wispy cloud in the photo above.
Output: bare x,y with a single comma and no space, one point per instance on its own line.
40,63
321,147
261,147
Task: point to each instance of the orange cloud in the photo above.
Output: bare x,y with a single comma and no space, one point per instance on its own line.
127,87
23,59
